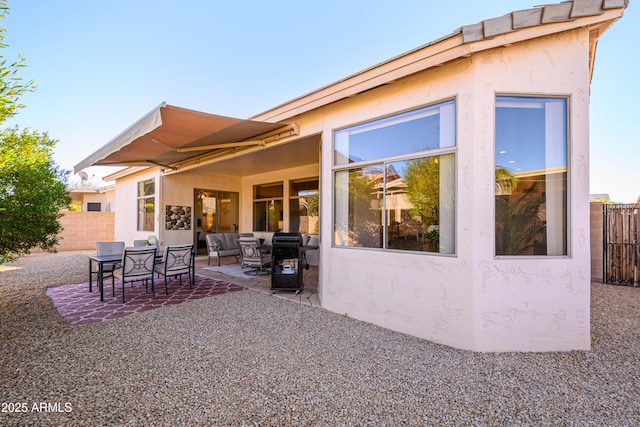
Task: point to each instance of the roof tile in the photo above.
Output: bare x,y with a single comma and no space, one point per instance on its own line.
614,4
473,33
556,12
496,26
586,8
527,18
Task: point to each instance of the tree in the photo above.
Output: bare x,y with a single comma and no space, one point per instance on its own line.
422,177
32,193
520,227
32,187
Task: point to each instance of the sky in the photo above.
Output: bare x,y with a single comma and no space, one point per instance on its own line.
101,66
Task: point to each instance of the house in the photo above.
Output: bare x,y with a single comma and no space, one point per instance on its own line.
449,184
94,200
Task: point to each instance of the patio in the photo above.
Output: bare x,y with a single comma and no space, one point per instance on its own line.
80,307
231,272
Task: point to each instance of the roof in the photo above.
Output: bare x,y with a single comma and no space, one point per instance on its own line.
540,15
513,27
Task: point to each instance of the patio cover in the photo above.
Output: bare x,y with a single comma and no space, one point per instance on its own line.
169,135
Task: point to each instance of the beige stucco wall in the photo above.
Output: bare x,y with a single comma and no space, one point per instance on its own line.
126,197
473,300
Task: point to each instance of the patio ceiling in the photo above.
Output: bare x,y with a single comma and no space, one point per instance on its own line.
300,152
170,135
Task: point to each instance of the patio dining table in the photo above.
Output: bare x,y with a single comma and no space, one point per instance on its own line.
101,261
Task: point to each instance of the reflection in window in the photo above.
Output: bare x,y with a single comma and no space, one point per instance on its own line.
303,206
268,207
146,205
359,206
419,204
531,176
398,204
425,129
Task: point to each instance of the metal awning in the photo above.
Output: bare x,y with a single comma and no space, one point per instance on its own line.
169,135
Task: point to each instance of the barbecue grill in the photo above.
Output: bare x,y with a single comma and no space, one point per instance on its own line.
287,262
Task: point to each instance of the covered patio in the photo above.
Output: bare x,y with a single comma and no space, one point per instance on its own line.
80,307
233,273
225,175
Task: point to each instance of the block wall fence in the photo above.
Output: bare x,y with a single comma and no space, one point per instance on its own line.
83,229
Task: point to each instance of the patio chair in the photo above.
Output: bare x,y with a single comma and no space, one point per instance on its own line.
108,248
177,260
137,264
253,256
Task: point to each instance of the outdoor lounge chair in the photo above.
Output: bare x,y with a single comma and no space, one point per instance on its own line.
177,260
137,264
253,256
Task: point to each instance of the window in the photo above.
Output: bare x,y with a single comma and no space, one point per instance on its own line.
267,207
303,206
531,176
394,182
94,206
146,205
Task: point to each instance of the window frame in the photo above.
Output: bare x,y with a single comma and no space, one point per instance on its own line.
266,201
297,197
91,207
145,197
429,153
568,142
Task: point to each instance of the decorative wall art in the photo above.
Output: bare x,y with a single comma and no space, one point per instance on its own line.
178,218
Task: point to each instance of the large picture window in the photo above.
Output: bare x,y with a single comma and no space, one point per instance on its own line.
394,182
531,176
146,205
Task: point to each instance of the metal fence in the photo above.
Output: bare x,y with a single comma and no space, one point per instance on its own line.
621,256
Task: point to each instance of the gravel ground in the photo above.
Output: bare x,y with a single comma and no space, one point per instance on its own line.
247,358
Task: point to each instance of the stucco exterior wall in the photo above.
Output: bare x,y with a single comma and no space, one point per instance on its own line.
126,228
473,300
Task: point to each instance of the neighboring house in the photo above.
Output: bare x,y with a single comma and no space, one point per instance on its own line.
449,204
94,200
